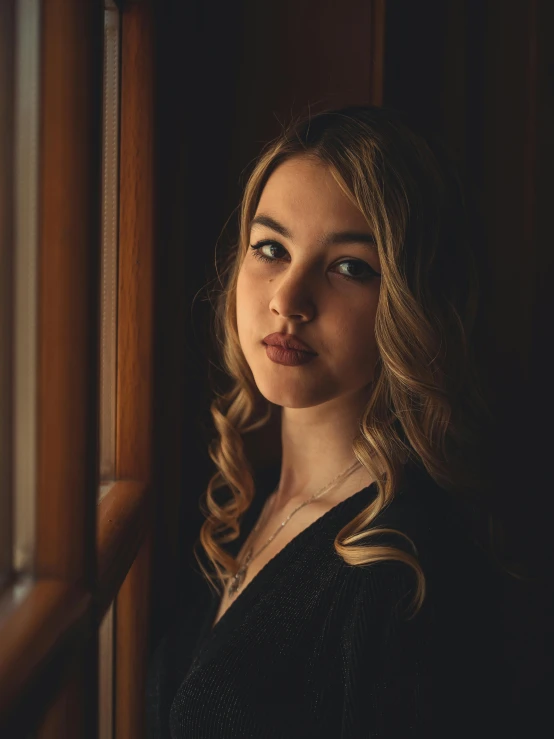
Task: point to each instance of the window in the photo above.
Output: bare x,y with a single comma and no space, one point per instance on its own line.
76,245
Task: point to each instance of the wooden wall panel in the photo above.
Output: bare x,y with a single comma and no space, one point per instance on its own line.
480,76
475,72
228,75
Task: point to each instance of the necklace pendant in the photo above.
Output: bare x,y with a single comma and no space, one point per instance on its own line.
238,579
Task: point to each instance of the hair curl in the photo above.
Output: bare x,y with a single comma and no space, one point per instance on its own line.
427,405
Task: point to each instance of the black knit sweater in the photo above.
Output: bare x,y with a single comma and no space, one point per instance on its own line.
313,647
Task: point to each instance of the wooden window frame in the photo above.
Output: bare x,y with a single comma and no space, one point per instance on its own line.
88,553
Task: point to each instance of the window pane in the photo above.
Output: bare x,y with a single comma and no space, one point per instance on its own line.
26,170
108,332
110,186
7,22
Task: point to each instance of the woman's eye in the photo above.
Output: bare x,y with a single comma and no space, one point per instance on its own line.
362,270
259,254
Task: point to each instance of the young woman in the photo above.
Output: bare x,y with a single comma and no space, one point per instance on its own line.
352,594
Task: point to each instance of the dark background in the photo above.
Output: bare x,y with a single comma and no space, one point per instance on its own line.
479,74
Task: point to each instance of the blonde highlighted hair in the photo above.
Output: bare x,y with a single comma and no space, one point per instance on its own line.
427,406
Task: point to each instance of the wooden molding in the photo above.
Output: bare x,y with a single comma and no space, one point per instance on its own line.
42,631
136,247
69,214
43,627
122,520
135,375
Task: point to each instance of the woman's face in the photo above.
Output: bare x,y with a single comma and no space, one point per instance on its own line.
318,240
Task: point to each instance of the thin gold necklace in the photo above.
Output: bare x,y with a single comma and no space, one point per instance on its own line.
238,578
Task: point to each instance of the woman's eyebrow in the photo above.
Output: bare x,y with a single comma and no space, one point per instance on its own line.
340,237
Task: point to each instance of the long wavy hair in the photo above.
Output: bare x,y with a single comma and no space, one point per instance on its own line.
427,407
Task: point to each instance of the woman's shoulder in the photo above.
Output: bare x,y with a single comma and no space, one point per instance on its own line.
430,524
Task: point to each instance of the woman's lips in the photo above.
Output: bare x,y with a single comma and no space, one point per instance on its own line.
290,357
288,341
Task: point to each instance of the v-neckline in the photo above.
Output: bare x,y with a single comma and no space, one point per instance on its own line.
269,567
